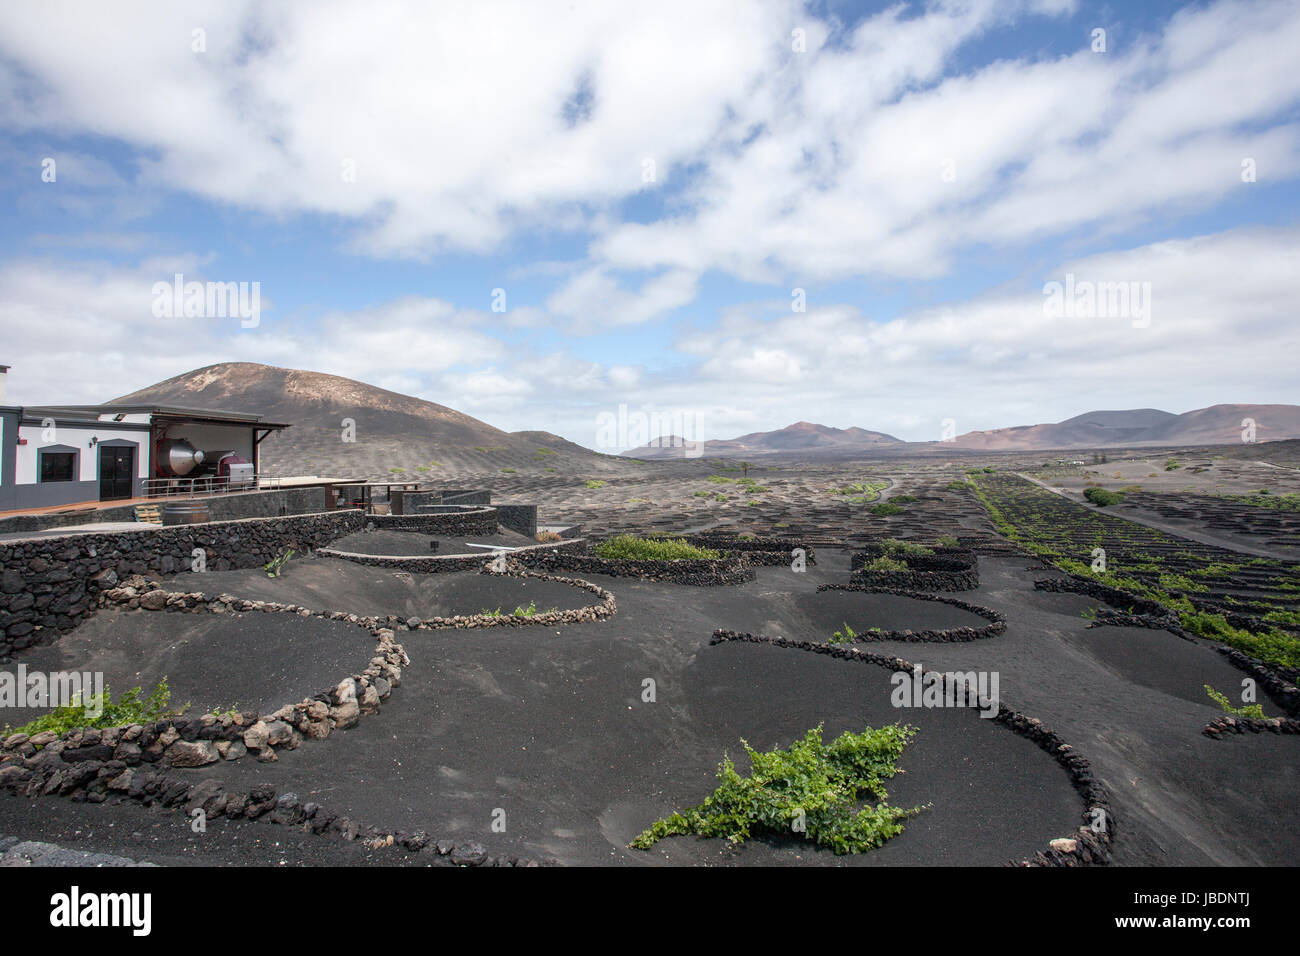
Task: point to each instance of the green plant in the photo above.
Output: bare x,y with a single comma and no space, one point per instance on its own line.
1101,497
276,564
627,547
596,483
486,613
958,486
129,709
1172,464
507,471
843,637
531,610
886,508
815,791
947,541
896,546
884,563
1250,710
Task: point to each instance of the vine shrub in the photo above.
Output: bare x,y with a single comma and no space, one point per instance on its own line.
129,709
816,791
628,547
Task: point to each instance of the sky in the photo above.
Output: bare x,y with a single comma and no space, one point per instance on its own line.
906,217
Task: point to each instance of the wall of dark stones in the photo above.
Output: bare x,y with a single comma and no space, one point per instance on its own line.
461,521
251,504
49,585
701,573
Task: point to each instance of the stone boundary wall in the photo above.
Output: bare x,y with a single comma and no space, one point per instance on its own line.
948,569
461,521
770,552
437,563
1278,683
699,573
223,507
50,585
952,635
198,741
606,608
1087,845
262,803
1114,597
1227,724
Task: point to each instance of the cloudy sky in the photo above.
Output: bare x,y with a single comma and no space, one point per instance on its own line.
752,212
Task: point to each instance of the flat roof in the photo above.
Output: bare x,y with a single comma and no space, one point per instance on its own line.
158,411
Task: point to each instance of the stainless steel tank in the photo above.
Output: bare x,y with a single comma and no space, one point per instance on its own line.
176,458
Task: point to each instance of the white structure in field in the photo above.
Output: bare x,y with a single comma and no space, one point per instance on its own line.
70,454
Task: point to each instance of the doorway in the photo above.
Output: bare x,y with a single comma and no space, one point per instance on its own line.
116,471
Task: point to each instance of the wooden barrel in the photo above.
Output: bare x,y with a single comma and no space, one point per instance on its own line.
185,512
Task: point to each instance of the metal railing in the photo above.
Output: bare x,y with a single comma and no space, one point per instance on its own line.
206,486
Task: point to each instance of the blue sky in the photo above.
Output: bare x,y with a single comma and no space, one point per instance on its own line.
920,170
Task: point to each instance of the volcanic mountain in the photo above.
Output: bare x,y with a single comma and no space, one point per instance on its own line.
1216,425
1131,428
397,436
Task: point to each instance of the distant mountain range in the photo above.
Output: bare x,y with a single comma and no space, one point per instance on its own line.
406,437
1216,425
804,437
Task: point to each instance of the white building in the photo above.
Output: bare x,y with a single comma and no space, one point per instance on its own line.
71,454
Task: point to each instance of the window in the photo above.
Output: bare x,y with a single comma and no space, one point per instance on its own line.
58,465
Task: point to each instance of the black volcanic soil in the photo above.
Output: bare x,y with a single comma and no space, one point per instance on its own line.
257,661
333,584
415,544
549,725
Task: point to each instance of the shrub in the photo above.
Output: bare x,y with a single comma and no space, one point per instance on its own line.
1173,464
547,537
896,546
886,508
596,483
627,547
947,541
1251,710
885,564
843,637
811,791
958,485
129,709
1101,497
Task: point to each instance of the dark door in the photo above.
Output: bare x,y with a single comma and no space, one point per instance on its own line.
116,471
